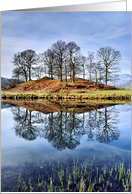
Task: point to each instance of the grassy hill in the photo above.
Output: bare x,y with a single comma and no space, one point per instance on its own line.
49,86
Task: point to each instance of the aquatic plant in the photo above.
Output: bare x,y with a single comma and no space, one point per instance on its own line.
80,178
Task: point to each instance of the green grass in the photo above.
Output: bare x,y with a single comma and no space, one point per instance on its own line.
104,92
28,82
15,93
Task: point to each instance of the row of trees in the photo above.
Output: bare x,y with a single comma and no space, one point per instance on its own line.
63,61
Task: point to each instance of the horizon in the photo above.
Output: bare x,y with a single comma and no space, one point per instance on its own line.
39,30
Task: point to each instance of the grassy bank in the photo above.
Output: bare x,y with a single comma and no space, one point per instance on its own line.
117,94
103,92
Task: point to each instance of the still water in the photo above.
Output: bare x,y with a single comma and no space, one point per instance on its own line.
32,142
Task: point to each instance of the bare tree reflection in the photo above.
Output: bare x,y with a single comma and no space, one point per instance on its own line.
108,126
103,125
64,130
26,123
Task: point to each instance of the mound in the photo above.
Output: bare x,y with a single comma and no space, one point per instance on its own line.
45,84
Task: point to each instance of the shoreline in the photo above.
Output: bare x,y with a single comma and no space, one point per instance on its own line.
49,96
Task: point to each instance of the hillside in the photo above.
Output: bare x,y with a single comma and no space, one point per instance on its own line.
48,85
126,85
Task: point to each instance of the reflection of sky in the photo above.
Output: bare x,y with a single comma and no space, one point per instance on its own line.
124,141
9,139
12,145
123,107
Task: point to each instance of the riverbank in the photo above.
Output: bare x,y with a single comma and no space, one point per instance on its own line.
116,94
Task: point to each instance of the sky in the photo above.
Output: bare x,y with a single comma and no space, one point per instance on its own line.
89,30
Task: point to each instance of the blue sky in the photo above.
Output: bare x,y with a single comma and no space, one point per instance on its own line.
90,31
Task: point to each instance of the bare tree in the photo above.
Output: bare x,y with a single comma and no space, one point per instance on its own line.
30,58
19,63
60,52
97,72
73,51
100,73
16,73
109,58
38,72
90,62
83,63
49,60
66,70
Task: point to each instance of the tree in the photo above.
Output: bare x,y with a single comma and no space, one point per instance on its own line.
109,58
49,60
38,72
90,60
97,71
73,51
19,63
16,74
83,63
60,51
29,58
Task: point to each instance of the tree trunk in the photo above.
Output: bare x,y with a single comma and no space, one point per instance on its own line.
61,71
29,74
18,79
83,72
25,75
106,76
73,73
51,73
96,77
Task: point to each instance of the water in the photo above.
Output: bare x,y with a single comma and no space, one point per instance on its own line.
32,142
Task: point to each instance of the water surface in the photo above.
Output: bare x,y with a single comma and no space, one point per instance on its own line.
31,139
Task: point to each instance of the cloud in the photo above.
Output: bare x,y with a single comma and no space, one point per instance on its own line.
90,30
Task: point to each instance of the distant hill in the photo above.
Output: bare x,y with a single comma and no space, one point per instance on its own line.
124,78
6,82
126,85
5,106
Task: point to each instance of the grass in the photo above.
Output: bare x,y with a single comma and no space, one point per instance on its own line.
107,92
81,178
27,82
103,92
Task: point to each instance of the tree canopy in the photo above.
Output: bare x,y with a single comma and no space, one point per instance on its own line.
63,60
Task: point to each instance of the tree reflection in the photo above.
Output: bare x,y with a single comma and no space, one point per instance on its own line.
108,126
26,123
63,129
103,124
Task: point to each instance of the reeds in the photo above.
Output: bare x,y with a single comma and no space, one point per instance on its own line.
81,178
